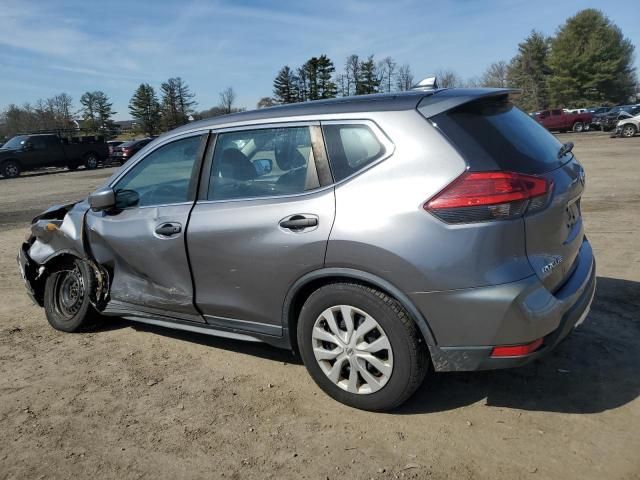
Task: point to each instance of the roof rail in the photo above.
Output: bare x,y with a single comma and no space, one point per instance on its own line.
428,83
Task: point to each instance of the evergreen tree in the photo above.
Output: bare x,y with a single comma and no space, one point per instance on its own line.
285,86
529,71
145,108
591,61
368,80
326,87
104,111
177,102
89,110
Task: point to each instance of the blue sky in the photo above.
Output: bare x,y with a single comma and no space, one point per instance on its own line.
50,46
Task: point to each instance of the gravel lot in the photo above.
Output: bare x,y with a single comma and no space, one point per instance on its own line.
131,401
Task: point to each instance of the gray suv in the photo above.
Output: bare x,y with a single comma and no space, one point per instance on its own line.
378,236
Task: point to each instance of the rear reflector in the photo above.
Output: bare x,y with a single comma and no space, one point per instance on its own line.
482,196
517,350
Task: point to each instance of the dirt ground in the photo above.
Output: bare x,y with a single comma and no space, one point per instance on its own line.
131,401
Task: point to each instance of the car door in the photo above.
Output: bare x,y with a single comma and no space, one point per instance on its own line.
261,221
36,153
141,243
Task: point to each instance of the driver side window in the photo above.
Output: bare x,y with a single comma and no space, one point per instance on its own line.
162,177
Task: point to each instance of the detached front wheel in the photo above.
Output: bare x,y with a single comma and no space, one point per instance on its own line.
361,347
66,298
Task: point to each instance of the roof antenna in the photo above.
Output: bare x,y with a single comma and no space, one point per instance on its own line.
429,83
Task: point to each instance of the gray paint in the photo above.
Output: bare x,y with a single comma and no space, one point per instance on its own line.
233,269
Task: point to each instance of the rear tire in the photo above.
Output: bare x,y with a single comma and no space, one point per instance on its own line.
578,127
376,364
10,169
91,161
66,298
628,130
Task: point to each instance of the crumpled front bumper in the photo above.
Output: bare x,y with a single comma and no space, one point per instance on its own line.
29,273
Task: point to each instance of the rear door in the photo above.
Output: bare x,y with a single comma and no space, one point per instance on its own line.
494,135
142,242
262,220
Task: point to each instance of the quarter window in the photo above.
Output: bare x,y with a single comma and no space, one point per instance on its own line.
163,176
351,148
262,163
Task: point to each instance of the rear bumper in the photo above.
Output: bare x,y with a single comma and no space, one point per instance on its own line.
511,314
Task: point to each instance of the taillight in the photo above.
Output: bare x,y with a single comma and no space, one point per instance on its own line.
126,151
482,196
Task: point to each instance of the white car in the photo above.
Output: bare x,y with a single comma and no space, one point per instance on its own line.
627,127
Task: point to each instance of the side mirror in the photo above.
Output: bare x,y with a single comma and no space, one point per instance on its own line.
263,166
102,200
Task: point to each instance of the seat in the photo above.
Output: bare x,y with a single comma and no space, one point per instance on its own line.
236,166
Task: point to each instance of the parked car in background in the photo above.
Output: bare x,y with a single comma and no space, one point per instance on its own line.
30,152
627,127
113,144
608,121
343,229
124,151
559,120
598,110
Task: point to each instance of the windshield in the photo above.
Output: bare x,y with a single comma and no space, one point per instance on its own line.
16,142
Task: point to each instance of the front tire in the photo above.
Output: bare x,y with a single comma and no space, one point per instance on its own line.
628,130
361,347
66,298
578,127
10,169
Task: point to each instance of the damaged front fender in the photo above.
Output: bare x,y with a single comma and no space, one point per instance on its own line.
56,235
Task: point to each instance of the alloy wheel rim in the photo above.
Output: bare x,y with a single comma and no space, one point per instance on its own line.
352,349
627,131
92,162
12,170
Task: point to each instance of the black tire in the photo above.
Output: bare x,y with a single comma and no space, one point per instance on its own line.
628,130
65,310
91,161
410,354
578,127
10,169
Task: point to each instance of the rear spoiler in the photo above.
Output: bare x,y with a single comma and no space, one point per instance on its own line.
446,99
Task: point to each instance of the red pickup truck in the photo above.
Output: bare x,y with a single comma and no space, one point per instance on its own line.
564,121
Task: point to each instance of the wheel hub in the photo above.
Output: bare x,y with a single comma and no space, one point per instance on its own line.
352,349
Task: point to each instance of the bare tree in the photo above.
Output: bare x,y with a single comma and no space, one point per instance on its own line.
448,79
387,69
227,99
496,75
404,80
265,102
352,74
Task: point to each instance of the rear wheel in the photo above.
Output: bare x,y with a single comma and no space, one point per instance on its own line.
66,298
628,130
360,346
91,161
10,169
578,127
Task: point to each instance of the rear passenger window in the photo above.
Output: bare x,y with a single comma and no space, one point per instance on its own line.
350,148
262,163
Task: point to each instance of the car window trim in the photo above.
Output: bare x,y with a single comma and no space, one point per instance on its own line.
195,169
205,176
381,136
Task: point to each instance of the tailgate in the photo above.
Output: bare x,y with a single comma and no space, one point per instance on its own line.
554,235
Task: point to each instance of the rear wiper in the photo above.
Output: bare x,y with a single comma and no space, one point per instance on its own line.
564,149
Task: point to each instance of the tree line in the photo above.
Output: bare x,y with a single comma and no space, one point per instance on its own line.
588,61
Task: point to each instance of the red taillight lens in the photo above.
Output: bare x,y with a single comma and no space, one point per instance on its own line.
481,196
517,350
126,151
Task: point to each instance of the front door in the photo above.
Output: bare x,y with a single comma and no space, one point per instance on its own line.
142,243
261,222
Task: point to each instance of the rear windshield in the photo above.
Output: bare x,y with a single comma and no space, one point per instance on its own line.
493,134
